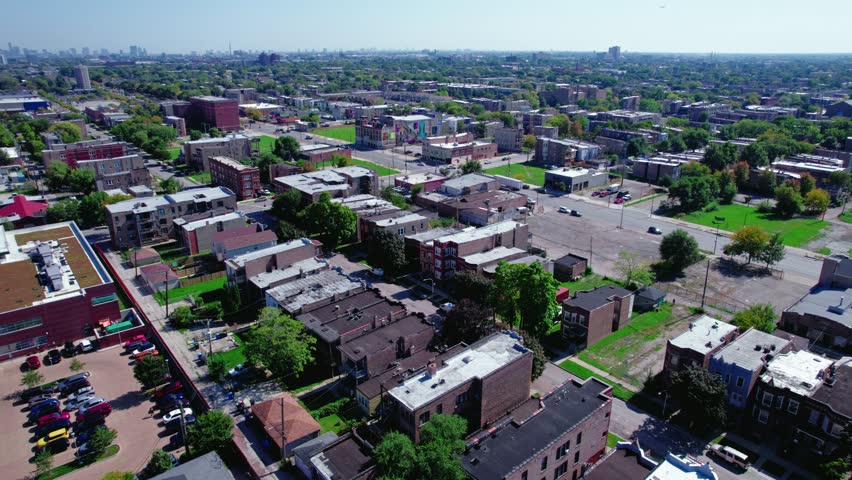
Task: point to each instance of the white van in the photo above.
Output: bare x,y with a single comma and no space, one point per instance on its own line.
729,454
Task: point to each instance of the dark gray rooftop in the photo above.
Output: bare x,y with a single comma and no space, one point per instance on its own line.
829,303
497,455
378,339
597,298
348,315
208,466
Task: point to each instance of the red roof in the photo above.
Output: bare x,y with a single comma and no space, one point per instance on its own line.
22,207
155,272
298,423
254,238
233,233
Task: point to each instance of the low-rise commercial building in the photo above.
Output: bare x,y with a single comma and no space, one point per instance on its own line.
428,181
654,169
706,336
575,179
243,180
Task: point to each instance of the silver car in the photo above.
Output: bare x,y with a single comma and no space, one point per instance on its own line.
71,405
91,402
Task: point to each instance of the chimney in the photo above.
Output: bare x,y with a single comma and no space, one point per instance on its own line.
432,369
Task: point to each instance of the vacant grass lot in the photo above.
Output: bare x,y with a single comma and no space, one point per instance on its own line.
201,177
522,171
617,353
588,282
575,368
267,143
795,231
180,293
234,356
346,134
846,217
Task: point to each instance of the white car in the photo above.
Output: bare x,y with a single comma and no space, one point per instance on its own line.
447,307
564,210
85,346
137,352
175,414
90,403
85,391
377,272
71,405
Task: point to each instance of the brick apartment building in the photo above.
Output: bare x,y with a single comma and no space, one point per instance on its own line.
459,153
480,383
196,234
71,153
802,402
197,153
243,180
706,336
445,253
654,169
557,436
337,182
532,120
242,267
146,221
55,289
551,151
374,134
509,139
591,315
238,241
208,112
310,293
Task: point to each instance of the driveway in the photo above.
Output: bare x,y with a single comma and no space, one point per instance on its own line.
112,377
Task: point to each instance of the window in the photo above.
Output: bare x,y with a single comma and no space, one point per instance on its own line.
814,417
161,211
576,457
767,399
793,407
439,409
579,438
525,475
103,299
563,450
779,400
21,325
461,398
674,360
544,463
763,416
727,378
560,470
23,345
740,382
401,231
424,417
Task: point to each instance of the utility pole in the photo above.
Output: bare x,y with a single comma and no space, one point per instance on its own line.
621,221
283,434
167,292
591,252
706,276
183,428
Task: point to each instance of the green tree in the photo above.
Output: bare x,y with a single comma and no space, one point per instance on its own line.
540,358
280,343
773,252
92,209
840,179
395,456
215,133
525,296
195,135
266,160
694,193
68,132
81,180
211,431
634,272
679,250
529,142
755,155
719,156
31,378
55,175
334,223
286,205
750,240
817,201
677,145
788,202
727,187
468,322
160,462
150,371
836,469
217,368
100,441
741,174
702,397
637,147
119,476
287,232
183,317
766,182
286,147
65,210
471,166
472,286
807,182
386,250
231,300
43,462
441,443
170,185
759,316
695,138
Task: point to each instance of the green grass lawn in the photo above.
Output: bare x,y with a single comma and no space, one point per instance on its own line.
267,143
347,133
795,231
846,217
73,465
617,352
200,177
180,293
522,171
174,153
612,440
234,356
588,282
645,199
618,390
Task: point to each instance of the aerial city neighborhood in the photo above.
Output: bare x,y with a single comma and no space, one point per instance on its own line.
444,265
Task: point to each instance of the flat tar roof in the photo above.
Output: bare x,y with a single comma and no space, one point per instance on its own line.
704,334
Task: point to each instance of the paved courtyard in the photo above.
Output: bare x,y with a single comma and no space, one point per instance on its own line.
138,432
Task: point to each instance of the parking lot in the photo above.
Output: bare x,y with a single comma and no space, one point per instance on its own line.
139,433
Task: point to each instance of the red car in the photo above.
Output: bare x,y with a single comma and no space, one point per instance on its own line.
101,410
618,200
170,388
137,338
33,362
42,421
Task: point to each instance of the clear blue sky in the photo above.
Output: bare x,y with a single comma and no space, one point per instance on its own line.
737,26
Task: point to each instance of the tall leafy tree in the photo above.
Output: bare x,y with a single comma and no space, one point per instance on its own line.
81,180
64,210
286,205
702,397
211,431
150,371
695,138
727,187
694,193
807,182
817,201
170,185
472,286
99,442
334,223
56,174
679,250
395,456
761,316
637,147
286,147
788,201
718,156
160,462
281,344
750,240
468,322
386,249
741,174
286,232
471,166
525,296
755,155
539,355
634,272
773,252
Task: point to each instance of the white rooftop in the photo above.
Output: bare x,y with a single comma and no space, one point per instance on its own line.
686,467
801,372
411,118
411,217
212,220
482,232
200,195
478,361
417,178
265,279
574,172
230,137
492,255
231,163
704,334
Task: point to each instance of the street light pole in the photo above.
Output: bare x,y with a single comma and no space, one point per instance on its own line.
706,276
621,221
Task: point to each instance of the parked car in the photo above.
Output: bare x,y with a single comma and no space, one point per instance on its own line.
85,346
421,164
134,345
619,200
100,410
170,388
29,393
378,272
32,362
55,440
447,307
729,454
69,350
655,230
71,379
135,339
174,425
52,417
564,210
54,425
146,353
418,155
309,137
85,435
596,194
142,347
175,414
90,403
83,392
74,386
53,357
576,213
239,370
39,399
627,197
72,405
42,409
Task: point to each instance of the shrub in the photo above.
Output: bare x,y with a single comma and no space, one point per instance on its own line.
332,408
765,206
711,207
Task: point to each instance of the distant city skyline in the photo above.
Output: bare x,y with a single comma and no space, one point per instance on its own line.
677,26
